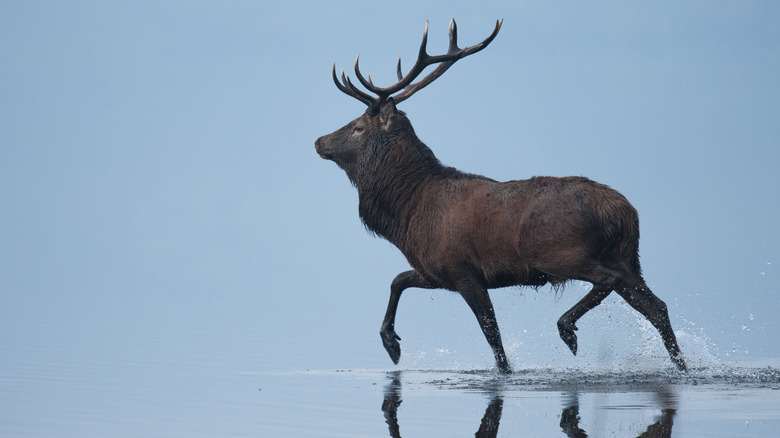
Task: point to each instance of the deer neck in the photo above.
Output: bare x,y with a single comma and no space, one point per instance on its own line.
394,187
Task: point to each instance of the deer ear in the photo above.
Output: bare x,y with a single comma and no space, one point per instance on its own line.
387,115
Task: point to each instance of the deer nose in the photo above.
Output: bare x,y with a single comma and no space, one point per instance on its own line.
318,147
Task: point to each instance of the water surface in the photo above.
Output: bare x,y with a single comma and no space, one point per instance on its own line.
730,401
175,393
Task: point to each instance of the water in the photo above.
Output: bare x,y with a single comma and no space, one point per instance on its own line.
539,402
109,376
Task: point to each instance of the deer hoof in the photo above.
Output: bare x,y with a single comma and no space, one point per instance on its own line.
680,362
566,330
390,341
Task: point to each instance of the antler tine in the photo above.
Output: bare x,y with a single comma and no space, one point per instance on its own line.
423,54
423,60
366,82
369,100
474,49
453,37
349,89
446,61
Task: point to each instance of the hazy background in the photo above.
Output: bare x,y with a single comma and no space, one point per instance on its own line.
159,189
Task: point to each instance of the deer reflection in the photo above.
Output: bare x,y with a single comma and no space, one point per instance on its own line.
391,402
570,416
488,428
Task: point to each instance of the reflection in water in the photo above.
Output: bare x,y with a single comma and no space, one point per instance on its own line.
570,416
570,419
488,428
391,402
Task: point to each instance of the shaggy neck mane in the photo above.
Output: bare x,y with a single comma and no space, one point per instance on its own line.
394,181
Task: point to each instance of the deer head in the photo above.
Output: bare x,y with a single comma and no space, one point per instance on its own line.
347,146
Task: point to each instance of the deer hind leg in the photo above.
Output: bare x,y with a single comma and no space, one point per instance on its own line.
641,298
401,282
479,301
604,282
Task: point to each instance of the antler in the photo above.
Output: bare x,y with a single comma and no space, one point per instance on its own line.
404,83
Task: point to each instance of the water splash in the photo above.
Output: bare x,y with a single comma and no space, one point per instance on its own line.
590,380
612,337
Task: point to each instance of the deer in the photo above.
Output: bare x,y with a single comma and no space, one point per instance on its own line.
469,233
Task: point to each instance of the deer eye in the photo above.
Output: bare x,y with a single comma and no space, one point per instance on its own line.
357,130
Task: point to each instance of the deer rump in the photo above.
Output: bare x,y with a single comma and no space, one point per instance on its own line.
468,233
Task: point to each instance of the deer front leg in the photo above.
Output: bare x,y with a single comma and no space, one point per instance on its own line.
401,282
479,301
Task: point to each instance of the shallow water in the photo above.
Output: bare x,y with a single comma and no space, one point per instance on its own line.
192,400
729,401
147,372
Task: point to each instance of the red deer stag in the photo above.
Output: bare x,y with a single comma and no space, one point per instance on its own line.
468,233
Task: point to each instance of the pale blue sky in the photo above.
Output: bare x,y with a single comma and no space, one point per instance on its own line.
158,164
